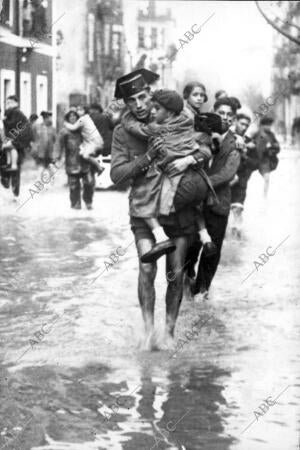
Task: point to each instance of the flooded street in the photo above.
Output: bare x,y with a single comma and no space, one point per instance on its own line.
72,375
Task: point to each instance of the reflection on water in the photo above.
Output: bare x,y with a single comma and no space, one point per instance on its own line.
188,404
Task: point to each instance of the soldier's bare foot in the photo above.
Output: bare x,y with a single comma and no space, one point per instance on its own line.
168,343
149,343
201,296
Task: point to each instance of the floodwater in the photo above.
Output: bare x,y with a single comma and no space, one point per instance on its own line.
72,375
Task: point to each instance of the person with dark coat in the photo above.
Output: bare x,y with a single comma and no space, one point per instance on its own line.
249,163
194,94
77,168
222,170
206,125
267,148
19,135
44,137
103,125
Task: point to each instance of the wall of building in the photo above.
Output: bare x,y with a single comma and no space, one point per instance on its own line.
85,62
26,65
72,52
38,64
148,15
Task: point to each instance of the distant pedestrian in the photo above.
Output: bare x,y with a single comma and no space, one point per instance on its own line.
267,149
18,137
2,140
249,163
296,132
77,168
103,125
33,119
44,137
34,122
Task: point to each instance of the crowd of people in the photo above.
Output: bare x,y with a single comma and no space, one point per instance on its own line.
188,169
85,134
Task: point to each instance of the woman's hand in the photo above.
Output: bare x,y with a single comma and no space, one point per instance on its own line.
180,165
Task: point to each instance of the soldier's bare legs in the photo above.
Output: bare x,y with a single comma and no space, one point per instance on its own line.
175,272
146,291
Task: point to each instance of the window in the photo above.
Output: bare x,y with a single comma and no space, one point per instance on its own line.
39,22
6,15
162,38
141,37
25,93
27,16
107,37
91,34
41,93
153,37
116,47
8,86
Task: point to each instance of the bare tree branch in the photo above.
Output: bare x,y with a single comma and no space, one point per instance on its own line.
273,24
289,23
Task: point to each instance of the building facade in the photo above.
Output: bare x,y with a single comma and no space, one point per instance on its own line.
54,54
149,39
27,54
285,71
90,47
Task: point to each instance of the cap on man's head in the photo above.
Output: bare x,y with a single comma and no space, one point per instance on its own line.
134,82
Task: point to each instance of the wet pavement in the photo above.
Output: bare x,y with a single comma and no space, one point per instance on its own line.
72,375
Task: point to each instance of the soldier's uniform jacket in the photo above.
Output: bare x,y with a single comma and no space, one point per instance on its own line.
129,161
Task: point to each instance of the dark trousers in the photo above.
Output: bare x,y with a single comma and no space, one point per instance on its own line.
216,227
239,190
12,179
44,161
88,182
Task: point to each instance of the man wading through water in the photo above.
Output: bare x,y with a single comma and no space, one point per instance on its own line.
131,160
